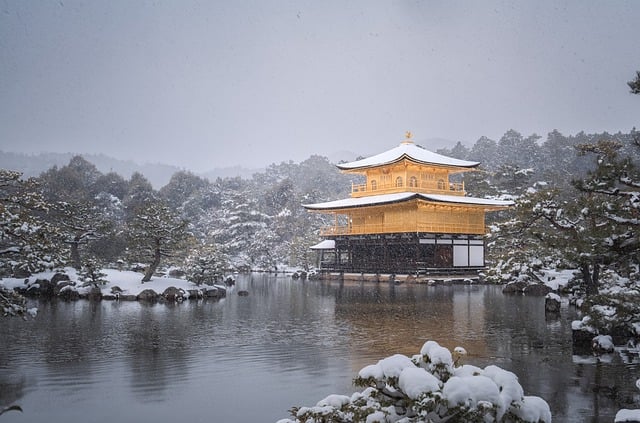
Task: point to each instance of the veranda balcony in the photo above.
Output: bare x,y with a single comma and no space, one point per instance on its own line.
424,187
426,227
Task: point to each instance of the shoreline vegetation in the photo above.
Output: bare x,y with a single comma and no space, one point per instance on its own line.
118,285
127,285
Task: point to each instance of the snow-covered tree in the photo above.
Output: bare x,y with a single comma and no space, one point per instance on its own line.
615,185
300,254
516,150
485,151
139,194
13,304
110,183
28,243
155,232
91,273
558,153
237,222
72,182
459,151
635,84
511,179
591,225
205,264
81,223
181,187
577,230
110,246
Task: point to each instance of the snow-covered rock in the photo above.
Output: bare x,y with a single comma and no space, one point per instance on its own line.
629,416
602,344
552,303
533,409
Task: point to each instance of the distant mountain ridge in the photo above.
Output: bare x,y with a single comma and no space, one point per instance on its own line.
159,174
32,165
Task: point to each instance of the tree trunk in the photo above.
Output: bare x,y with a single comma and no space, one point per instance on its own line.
154,264
591,278
76,262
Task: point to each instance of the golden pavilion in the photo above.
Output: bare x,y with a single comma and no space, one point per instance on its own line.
407,217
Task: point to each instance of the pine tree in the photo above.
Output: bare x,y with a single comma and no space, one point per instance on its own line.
205,264
28,243
81,223
635,84
13,304
155,232
91,273
615,185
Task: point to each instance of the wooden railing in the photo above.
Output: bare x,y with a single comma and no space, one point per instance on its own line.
424,187
449,228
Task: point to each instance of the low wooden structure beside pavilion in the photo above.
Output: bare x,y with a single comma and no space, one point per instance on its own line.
408,217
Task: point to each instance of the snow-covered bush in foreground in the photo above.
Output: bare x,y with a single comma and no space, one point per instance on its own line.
14,304
615,310
429,387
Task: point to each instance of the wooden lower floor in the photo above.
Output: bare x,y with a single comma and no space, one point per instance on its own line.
403,253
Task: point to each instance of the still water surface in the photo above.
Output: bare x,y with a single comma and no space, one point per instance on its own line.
249,359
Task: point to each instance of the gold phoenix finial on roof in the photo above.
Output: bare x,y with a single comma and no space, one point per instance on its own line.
408,138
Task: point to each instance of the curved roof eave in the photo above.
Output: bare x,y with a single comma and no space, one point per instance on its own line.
410,152
351,202
376,200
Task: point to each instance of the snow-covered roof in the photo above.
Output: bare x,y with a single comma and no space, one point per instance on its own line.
467,200
409,151
374,200
327,244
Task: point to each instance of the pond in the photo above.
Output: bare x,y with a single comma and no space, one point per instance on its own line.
289,342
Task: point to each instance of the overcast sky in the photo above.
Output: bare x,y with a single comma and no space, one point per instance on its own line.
205,84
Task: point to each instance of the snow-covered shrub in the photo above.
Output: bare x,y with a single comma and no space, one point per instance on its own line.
13,304
205,264
616,309
513,269
91,273
429,388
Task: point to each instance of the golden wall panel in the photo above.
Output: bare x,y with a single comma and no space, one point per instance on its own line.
415,216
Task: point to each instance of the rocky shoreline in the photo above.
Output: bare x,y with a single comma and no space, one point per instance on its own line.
61,287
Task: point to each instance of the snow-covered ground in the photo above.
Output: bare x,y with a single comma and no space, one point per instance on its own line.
556,279
128,281
625,415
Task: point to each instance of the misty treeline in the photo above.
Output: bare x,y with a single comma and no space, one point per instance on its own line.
77,216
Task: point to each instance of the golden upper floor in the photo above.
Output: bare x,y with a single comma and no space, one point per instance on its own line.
407,168
407,176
